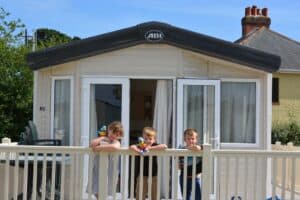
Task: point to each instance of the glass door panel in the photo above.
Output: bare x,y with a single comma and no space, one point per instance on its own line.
104,100
105,106
198,108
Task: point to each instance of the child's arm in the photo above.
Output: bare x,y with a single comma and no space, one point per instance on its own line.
95,142
135,148
108,147
194,148
157,147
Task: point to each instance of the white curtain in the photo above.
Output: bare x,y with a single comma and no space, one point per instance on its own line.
62,98
193,108
93,113
163,111
162,121
238,112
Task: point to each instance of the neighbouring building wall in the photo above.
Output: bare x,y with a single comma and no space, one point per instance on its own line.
157,61
289,98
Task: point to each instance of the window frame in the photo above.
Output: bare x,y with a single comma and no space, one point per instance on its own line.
53,79
217,112
257,120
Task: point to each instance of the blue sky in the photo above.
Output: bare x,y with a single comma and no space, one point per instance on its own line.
216,18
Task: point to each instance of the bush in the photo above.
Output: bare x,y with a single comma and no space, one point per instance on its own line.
289,132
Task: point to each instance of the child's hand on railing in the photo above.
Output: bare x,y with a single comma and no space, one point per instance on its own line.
135,149
195,148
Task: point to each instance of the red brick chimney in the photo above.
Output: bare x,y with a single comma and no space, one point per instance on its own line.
255,18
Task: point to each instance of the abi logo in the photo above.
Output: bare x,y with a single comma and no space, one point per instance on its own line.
154,35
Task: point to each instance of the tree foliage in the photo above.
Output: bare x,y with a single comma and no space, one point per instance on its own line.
49,37
10,31
15,79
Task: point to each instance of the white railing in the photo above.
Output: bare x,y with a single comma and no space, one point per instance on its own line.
251,174
44,172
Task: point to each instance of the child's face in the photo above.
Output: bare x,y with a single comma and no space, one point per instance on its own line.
190,140
114,135
149,139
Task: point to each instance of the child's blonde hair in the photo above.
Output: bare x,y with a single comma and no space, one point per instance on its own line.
116,127
149,131
190,132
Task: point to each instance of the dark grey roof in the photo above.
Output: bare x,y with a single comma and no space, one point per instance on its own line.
171,35
272,42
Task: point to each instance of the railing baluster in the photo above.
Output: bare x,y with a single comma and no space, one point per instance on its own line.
25,180
293,178
184,177
166,160
16,176
44,176
159,169
77,178
255,178
236,176
34,182
193,177
264,162
80,173
103,167
175,178
62,176
124,177
90,174
218,178
132,181
114,161
72,176
6,178
273,178
150,177
226,177
246,182
283,178
53,177
207,174
141,178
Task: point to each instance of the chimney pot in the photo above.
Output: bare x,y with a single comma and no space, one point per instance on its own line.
253,10
247,11
258,11
265,12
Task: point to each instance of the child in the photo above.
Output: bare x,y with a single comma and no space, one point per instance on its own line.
190,139
149,136
110,143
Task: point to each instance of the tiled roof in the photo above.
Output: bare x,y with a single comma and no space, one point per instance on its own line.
272,42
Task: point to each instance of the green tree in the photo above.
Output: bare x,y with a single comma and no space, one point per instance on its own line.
15,79
49,37
10,31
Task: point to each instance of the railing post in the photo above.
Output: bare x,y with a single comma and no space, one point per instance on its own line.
206,180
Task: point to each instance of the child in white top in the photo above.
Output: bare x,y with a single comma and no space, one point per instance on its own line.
109,143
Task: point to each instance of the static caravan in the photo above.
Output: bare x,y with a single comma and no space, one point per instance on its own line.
155,74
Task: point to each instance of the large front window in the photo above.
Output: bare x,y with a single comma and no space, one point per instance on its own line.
238,112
